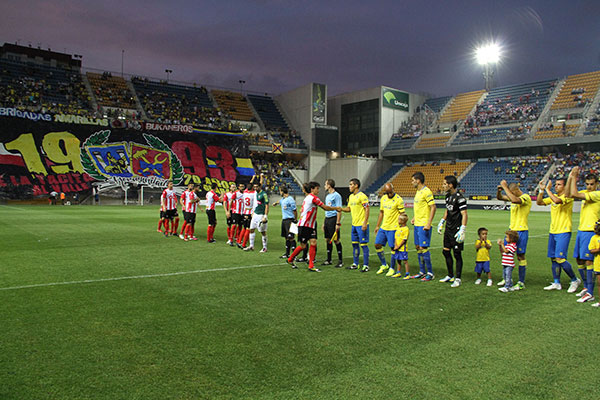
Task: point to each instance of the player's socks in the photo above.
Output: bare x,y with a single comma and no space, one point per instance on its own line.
459,263
305,253
193,230
166,225
449,262
264,241
296,251
427,261
338,247
365,248
208,232
329,250
160,224
252,237
583,274
590,281
355,253
555,272
568,269
312,252
240,236
184,227
188,231
421,264
175,226
246,237
288,245
381,256
522,270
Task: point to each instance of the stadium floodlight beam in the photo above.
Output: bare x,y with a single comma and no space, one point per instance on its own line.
488,56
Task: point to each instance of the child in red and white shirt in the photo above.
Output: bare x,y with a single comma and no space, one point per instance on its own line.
508,247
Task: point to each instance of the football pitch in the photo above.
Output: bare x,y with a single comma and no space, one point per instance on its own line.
95,304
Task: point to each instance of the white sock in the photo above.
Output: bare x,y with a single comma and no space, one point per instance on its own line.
252,236
264,240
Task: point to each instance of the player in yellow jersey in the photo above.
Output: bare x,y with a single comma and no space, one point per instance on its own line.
589,214
560,231
424,207
358,206
594,248
519,217
482,259
390,208
401,255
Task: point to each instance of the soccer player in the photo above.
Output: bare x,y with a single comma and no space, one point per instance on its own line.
455,217
211,201
289,215
424,208
589,214
191,205
594,248
259,217
229,205
248,200
161,220
561,213
401,254
332,223
519,216
168,200
183,201
358,206
307,234
238,208
482,259
390,208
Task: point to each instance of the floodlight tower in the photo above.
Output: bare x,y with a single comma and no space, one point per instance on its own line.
488,56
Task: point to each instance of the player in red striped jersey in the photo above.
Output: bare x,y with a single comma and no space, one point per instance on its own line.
211,201
307,234
168,201
183,201
191,206
229,205
238,221
248,204
161,219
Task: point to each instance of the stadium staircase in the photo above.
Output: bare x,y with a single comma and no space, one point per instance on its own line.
461,106
590,81
234,104
88,87
267,112
546,111
138,103
376,186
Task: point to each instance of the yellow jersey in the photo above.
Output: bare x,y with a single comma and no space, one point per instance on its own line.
392,208
560,214
519,214
402,233
423,203
590,210
483,253
594,245
358,203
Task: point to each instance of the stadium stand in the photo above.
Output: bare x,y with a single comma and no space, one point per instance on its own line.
389,174
461,106
593,128
289,139
577,91
492,135
561,130
276,170
485,176
165,102
437,104
401,142
434,175
233,104
268,112
41,88
435,141
111,91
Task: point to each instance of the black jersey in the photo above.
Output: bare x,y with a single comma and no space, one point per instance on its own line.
455,203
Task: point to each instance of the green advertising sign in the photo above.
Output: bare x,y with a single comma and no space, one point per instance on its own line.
395,99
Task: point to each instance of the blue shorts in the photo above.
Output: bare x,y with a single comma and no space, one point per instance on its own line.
400,256
582,241
422,237
522,242
558,245
384,237
359,236
482,266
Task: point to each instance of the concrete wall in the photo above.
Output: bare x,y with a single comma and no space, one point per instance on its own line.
296,104
391,119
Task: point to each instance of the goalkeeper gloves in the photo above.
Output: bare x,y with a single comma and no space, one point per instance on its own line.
460,235
441,225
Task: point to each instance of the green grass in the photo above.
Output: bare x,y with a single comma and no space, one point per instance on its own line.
270,332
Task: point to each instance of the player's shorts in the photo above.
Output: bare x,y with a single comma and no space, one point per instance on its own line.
305,234
450,240
522,243
237,219
359,236
246,220
256,223
400,255
185,213
170,214
582,241
422,237
329,226
558,245
212,217
384,237
162,214
230,220
190,218
285,228
482,266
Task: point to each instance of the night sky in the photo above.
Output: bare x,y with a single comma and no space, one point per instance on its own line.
275,46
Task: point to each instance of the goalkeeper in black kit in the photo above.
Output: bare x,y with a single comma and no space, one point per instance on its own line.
455,219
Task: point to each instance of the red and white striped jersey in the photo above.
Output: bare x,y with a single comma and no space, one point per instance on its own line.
249,200
238,203
508,257
308,212
229,199
169,199
211,200
183,199
190,205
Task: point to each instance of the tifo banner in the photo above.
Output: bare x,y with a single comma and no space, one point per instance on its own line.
394,99
319,103
38,157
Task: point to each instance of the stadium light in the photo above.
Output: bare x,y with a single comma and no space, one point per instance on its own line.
488,56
